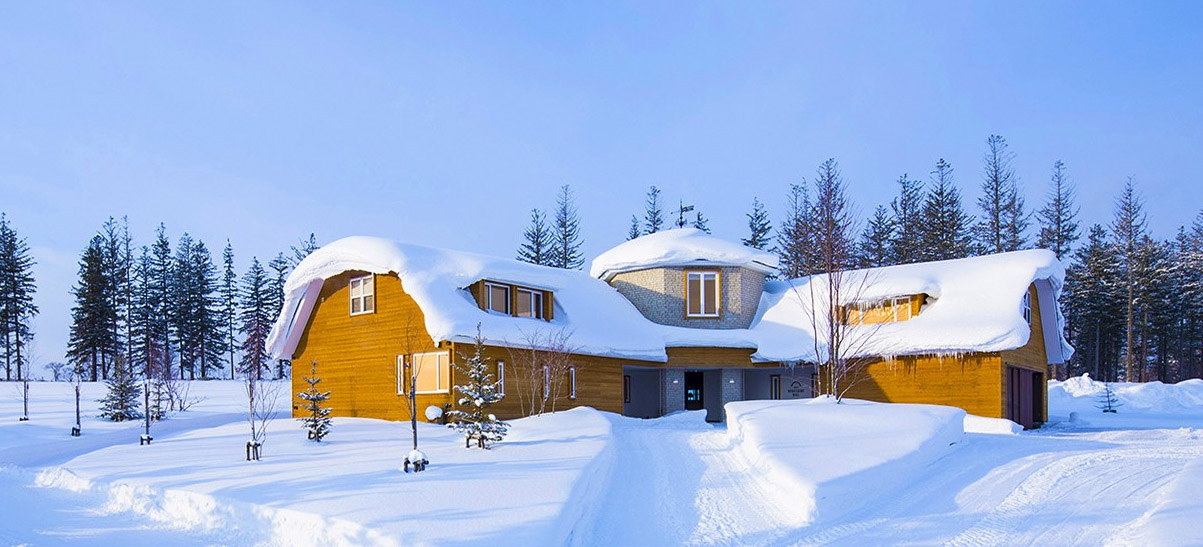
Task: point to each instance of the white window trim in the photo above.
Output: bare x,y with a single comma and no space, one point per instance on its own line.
509,308
1027,307
901,303
701,274
572,377
501,378
438,370
532,295
401,379
362,296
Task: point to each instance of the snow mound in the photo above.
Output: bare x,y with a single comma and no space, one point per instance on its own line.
991,426
1084,393
680,247
825,460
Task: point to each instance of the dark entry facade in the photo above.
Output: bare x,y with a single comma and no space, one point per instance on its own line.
1025,397
694,391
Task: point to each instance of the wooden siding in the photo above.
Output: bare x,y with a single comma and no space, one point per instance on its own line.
598,381
971,382
698,357
887,312
357,355
1031,356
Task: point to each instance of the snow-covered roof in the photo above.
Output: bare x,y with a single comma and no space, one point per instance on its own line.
679,247
974,304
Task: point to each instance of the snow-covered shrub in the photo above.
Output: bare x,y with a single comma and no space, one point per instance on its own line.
472,417
318,421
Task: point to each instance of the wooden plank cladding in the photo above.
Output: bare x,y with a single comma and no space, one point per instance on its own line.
702,357
971,382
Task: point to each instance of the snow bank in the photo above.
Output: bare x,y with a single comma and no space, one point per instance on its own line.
679,247
824,460
991,426
1082,393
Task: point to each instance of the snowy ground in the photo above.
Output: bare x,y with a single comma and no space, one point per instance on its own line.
782,473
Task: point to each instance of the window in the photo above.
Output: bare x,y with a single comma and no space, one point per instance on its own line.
626,388
497,298
501,378
363,298
869,312
1027,307
433,371
701,294
572,379
529,303
902,308
775,387
546,382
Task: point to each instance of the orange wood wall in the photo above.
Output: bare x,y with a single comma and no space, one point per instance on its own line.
1031,356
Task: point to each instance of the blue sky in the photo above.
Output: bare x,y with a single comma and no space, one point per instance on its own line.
445,123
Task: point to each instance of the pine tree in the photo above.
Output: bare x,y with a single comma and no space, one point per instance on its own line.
834,225
476,396
1128,231
906,245
945,225
633,232
537,248
701,223
159,298
228,310
1004,220
760,228
147,332
566,240
255,319
17,308
875,248
1093,306
318,421
795,235
299,253
91,342
116,277
124,391
185,304
653,212
1058,218
1108,402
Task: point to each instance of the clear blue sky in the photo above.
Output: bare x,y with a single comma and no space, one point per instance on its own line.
445,123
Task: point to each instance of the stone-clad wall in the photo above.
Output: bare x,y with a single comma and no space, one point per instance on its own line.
659,294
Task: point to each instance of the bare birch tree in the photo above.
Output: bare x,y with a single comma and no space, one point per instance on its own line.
542,362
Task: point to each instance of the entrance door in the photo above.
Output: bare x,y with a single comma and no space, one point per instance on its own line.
1021,397
693,391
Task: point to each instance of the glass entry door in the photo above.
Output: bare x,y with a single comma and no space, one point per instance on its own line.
693,391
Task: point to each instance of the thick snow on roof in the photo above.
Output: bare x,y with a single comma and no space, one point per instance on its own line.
679,247
974,304
601,320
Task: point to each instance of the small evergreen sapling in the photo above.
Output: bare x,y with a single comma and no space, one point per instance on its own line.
121,402
318,421
476,397
1107,400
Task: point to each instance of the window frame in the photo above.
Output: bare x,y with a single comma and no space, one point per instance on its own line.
626,388
439,367
509,304
546,382
361,297
501,378
1026,307
702,274
572,385
534,299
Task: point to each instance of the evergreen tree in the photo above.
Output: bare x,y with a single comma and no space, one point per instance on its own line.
566,240
876,241
945,225
147,332
760,229
1128,231
185,303
475,398
537,248
159,298
1004,220
1093,306
653,212
121,402
906,245
117,268
795,235
702,223
91,342
1058,218
633,232
299,253
255,319
275,300
228,308
834,224
318,421
17,307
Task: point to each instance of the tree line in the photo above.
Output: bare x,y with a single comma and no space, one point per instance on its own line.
1133,304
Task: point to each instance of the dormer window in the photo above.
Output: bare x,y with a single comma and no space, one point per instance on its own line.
529,303
363,295
702,293
886,310
497,298
1027,307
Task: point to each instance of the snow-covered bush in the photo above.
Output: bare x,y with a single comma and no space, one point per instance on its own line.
318,421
